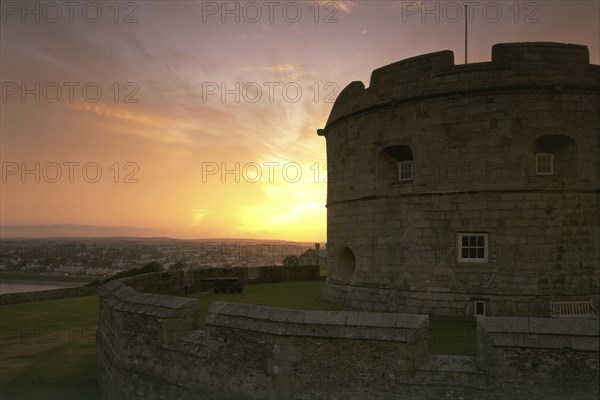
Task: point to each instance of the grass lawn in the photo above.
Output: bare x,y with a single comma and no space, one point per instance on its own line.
47,348
452,337
294,295
445,336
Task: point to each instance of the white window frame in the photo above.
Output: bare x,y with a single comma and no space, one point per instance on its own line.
538,163
460,247
475,307
402,164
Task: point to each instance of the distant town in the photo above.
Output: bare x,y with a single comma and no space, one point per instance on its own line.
107,256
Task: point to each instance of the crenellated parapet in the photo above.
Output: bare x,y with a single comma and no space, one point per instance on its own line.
514,66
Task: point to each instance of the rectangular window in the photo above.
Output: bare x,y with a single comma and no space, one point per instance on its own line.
405,171
480,308
544,164
472,247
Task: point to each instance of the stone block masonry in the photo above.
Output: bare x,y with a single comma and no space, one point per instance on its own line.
432,151
533,355
149,347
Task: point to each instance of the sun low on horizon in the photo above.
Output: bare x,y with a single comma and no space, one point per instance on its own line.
199,119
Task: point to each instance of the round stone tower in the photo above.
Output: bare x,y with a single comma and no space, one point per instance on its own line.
458,190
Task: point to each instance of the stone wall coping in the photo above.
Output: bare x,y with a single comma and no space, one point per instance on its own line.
503,55
111,286
541,326
541,333
445,58
327,324
347,318
141,277
125,298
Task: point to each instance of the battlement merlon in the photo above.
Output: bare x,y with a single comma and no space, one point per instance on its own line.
571,56
530,65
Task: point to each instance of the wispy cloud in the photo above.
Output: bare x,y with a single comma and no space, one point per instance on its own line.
180,124
119,114
283,67
133,123
74,230
342,5
199,215
275,68
283,71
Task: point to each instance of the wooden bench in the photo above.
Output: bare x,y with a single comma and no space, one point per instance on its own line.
572,309
226,284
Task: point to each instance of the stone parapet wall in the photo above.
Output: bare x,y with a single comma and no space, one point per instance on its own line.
514,66
175,282
539,356
171,282
149,346
140,341
13,298
287,354
404,328
263,274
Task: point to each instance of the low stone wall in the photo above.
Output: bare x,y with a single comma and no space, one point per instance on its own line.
175,282
149,346
541,357
137,340
442,302
171,282
268,353
264,274
13,298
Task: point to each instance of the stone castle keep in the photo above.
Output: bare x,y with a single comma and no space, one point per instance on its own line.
458,190
455,191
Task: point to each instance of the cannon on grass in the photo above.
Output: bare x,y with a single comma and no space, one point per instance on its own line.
226,284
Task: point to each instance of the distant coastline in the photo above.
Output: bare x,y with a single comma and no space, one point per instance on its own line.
19,283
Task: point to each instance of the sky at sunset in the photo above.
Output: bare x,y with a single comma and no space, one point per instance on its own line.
194,119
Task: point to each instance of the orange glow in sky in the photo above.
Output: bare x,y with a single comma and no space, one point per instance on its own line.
198,119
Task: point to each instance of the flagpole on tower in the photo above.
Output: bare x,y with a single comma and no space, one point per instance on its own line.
466,32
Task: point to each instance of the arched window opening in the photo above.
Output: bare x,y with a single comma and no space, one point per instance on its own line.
555,155
346,263
395,164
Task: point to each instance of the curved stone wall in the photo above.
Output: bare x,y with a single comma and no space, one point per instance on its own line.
41,295
149,346
468,137
175,282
